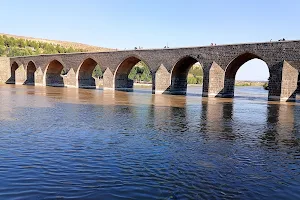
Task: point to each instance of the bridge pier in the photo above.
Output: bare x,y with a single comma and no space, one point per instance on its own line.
213,81
39,77
162,81
20,75
70,79
108,80
283,82
5,71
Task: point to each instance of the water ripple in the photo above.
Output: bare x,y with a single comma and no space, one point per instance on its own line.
88,144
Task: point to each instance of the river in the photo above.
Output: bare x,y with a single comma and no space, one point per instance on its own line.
93,144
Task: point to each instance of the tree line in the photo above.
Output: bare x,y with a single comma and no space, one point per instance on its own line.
10,47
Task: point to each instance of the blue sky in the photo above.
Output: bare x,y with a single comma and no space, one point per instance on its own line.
154,23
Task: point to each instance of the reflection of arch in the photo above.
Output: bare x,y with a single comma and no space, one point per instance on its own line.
179,74
13,68
123,70
231,70
84,73
31,68
52,74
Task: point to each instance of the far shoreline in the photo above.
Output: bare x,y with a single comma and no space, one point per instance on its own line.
237,83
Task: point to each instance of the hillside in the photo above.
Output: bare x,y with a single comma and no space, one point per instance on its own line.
65,44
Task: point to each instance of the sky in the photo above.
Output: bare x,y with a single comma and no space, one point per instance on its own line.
156,23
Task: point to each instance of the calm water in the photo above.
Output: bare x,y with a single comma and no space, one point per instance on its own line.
93,144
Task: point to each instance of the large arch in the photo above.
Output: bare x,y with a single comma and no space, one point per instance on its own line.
122,82
31,68
179,74
231,71
84,74
53,74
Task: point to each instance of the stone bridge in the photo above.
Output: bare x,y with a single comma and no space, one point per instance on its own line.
169,68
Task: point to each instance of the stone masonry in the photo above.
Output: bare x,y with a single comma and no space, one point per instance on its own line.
169,68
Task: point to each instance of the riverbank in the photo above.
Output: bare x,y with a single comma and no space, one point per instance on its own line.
250,83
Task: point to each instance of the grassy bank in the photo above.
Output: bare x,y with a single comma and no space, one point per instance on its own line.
249,83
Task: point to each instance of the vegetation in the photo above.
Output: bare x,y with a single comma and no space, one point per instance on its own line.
10,47
97,73
140,73
266,86
244,83
195,75
249,83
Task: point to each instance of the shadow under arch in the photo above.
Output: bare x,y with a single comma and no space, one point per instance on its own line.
122,82
179,74
84,74
231,71
12,78
53,75
31,68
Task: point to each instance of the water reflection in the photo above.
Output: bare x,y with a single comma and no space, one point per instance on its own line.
76,143
280,128
217,119
169,114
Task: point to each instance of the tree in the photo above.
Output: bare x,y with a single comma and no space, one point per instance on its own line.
11,42
133,73
38,51
196,70
60,49
35,45
70,50
1,41
97,73
21,43
2,50
192,80
199,79
146,76
138,77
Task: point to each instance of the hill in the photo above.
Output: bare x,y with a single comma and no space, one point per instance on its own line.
64,44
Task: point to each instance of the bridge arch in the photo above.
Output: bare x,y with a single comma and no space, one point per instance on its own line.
30,69
13,68
179,74
53,75
121,75
232,69
84,73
